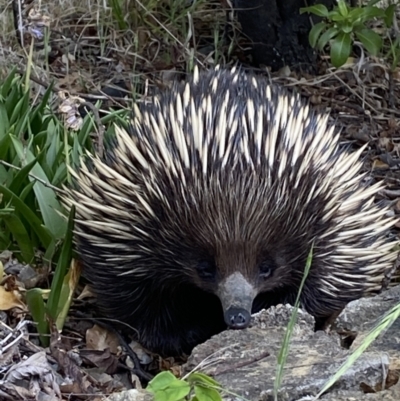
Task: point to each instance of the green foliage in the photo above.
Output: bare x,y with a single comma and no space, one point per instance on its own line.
35,150
118,14
54,306
58,300
37,308
29,208
343,25
197,387
394,53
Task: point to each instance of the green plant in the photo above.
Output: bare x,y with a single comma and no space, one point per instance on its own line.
35,150
59,300
29,169
343,25
393,53
197,387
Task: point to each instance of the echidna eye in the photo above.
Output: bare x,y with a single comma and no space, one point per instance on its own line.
206,269
265,270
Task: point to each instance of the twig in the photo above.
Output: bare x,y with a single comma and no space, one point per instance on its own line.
45,183
242,364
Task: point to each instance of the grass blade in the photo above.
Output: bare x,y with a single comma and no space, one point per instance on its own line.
63,264
284,351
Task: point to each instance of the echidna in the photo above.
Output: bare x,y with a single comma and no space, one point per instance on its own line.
206,210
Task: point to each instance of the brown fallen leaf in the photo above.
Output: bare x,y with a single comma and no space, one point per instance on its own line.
98,338
86,293
378,164
10,299
103,360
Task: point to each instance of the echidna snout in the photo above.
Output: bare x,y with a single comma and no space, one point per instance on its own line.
237,318
236,295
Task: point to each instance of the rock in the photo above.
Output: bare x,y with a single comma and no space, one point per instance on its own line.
245,361
364,314
130,395
392,394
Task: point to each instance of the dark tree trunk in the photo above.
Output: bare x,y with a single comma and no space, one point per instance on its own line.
278,32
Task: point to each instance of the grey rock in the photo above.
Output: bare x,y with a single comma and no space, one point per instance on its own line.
245,361
130,395
391,394
363,315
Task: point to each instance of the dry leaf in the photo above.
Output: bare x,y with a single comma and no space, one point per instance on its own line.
379,164
10,299
104,360
35,372
98,338
86,293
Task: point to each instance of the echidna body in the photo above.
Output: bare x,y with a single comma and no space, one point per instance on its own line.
206,211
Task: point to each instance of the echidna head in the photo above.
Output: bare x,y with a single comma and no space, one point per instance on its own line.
226,237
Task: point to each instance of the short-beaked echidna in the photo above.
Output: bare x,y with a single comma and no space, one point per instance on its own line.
206,210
